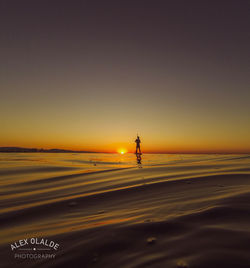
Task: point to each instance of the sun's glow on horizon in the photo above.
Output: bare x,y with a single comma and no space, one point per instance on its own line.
122,151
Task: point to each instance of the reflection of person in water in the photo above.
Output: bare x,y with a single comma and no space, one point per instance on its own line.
138,156
138,147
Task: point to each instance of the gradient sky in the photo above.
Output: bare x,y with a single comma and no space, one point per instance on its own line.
89,75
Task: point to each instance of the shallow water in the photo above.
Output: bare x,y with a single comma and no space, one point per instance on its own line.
103,207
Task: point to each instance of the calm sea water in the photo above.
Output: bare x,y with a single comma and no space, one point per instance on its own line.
28,167
99,161
58,195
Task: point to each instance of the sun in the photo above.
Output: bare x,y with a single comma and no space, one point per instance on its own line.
122,151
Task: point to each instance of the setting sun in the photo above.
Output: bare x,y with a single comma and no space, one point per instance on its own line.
122,151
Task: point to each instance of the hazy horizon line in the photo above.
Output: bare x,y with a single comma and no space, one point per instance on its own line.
129,152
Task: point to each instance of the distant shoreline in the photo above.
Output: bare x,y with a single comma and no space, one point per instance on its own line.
36,150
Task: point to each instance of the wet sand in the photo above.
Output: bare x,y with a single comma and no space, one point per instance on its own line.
184,211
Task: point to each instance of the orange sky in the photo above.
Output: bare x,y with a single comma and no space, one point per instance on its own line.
107,140
74,123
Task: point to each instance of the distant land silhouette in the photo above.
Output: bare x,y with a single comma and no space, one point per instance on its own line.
35,150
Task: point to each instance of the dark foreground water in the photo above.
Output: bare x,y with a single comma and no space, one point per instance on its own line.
105,210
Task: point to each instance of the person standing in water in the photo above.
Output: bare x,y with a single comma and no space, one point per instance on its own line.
138,146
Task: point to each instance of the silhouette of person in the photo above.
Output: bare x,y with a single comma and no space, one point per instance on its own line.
138,147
